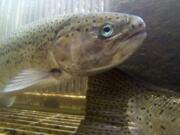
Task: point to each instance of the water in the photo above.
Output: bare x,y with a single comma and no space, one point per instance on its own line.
56,110
158,60
59,110
20,12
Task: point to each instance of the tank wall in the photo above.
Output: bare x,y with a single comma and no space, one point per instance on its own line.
15,13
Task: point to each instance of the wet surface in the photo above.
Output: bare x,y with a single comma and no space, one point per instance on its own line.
29,122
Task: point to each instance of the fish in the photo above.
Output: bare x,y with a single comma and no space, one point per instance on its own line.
54,50
122,104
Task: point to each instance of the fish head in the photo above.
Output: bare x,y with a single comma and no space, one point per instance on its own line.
93,43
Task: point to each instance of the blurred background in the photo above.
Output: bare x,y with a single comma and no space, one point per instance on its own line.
158,61
58,110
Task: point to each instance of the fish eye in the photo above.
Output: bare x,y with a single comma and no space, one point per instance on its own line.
106,31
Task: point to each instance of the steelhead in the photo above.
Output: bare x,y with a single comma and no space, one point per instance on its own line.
64,47
119,104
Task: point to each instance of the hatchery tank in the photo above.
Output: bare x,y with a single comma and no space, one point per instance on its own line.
59,110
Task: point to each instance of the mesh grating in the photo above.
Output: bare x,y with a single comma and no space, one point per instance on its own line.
27,122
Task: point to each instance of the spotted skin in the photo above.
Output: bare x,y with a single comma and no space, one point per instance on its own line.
70,44
28,49
117,104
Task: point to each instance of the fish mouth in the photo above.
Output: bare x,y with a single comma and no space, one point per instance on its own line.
136,34
122,38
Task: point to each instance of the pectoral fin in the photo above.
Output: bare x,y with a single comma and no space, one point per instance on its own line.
25,79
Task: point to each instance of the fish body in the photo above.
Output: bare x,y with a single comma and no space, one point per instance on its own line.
61,48
118,104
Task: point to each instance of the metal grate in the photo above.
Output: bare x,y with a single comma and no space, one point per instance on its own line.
28,122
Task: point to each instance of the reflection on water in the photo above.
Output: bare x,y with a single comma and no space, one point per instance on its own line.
53,101
28,122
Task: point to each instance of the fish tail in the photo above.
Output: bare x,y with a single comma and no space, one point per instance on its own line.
7,100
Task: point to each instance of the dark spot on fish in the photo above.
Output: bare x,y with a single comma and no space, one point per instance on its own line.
142,108
86,20
58,36
78,22
147,111
7,62
78,29
110,18
94,21
164,99
132,100
173,120
132,26
161,112
67,36
138,118
32,57
117,17
162,127
150,126
86,29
